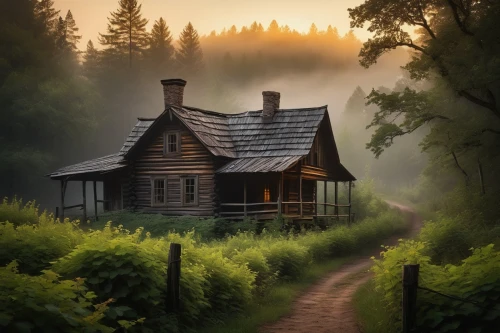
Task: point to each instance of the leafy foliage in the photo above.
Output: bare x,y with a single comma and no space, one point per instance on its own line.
475,279
15,213
46,303
36,246
116,266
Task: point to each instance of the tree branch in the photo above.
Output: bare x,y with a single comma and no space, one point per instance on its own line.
456,16
459,167
480,102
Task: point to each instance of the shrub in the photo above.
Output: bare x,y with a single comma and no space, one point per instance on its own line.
230,285
46,304
476,279
17,214
117,265
287,257
35,246
257,263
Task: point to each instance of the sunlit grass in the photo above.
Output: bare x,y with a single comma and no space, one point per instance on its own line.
370,312
277,301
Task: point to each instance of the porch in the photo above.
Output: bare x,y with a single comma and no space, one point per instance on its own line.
288,195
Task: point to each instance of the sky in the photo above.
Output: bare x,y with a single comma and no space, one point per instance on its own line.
207,15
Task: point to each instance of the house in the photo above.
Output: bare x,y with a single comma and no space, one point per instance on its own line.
190,161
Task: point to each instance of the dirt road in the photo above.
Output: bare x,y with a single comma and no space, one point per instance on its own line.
326,306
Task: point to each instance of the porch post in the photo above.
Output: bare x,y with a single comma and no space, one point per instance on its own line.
95,201
84,192
62,198
280,195
300,195
337,199
245,197
350,184
325,195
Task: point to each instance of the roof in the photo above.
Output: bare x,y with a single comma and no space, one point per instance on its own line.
259,164
99,165
245,135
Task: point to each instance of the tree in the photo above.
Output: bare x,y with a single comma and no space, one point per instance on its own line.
313,30
126,30
46,15
273,28
72,37
189,55
356,103
332,32
161,49
456,48
91,61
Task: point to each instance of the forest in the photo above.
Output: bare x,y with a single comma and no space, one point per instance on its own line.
415,111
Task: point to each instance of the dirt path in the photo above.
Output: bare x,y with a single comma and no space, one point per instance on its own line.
326,306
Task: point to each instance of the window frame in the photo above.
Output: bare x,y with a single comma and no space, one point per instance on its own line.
196,191
153,194
166,145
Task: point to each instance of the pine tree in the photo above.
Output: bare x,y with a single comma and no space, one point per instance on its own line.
46,15
161,49
91,63
356,103
332,32
189,55
61,35
72,37
273,28
126,30
313,30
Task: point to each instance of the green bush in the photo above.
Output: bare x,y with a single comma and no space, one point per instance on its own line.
35,246
476,279
17,214
46,304
287,257
257,263
118,265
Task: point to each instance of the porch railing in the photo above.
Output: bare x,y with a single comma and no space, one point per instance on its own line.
262,208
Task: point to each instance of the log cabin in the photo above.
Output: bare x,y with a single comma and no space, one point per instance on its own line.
189,161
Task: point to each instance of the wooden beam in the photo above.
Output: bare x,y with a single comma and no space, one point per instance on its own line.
245,197
324,199
62,199
350,203
280,194
173,278
95,201
336,198
84,193
300,195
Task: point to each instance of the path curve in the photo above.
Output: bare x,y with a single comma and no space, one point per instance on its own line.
326,306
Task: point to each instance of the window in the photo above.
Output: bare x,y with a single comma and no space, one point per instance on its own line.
267,194
171,144
158,191
189,190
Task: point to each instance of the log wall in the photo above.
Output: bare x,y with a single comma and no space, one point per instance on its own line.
193,160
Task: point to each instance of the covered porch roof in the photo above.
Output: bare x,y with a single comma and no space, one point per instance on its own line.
91,168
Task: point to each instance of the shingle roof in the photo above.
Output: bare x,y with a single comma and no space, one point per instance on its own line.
291,132
259,164
99,165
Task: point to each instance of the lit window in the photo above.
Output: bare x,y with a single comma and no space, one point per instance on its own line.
267,194
189,191
171,143
158,192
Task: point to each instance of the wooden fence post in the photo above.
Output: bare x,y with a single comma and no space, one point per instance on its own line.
57,213
410,285
173,277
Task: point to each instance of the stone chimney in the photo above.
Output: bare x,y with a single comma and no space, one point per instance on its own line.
271,103
173,91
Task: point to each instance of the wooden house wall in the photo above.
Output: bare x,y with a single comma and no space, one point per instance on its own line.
116,192
328,155
193,160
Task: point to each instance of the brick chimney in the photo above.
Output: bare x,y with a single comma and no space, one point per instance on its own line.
271,103
173,91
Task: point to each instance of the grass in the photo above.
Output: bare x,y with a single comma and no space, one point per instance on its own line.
370,311
276,302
